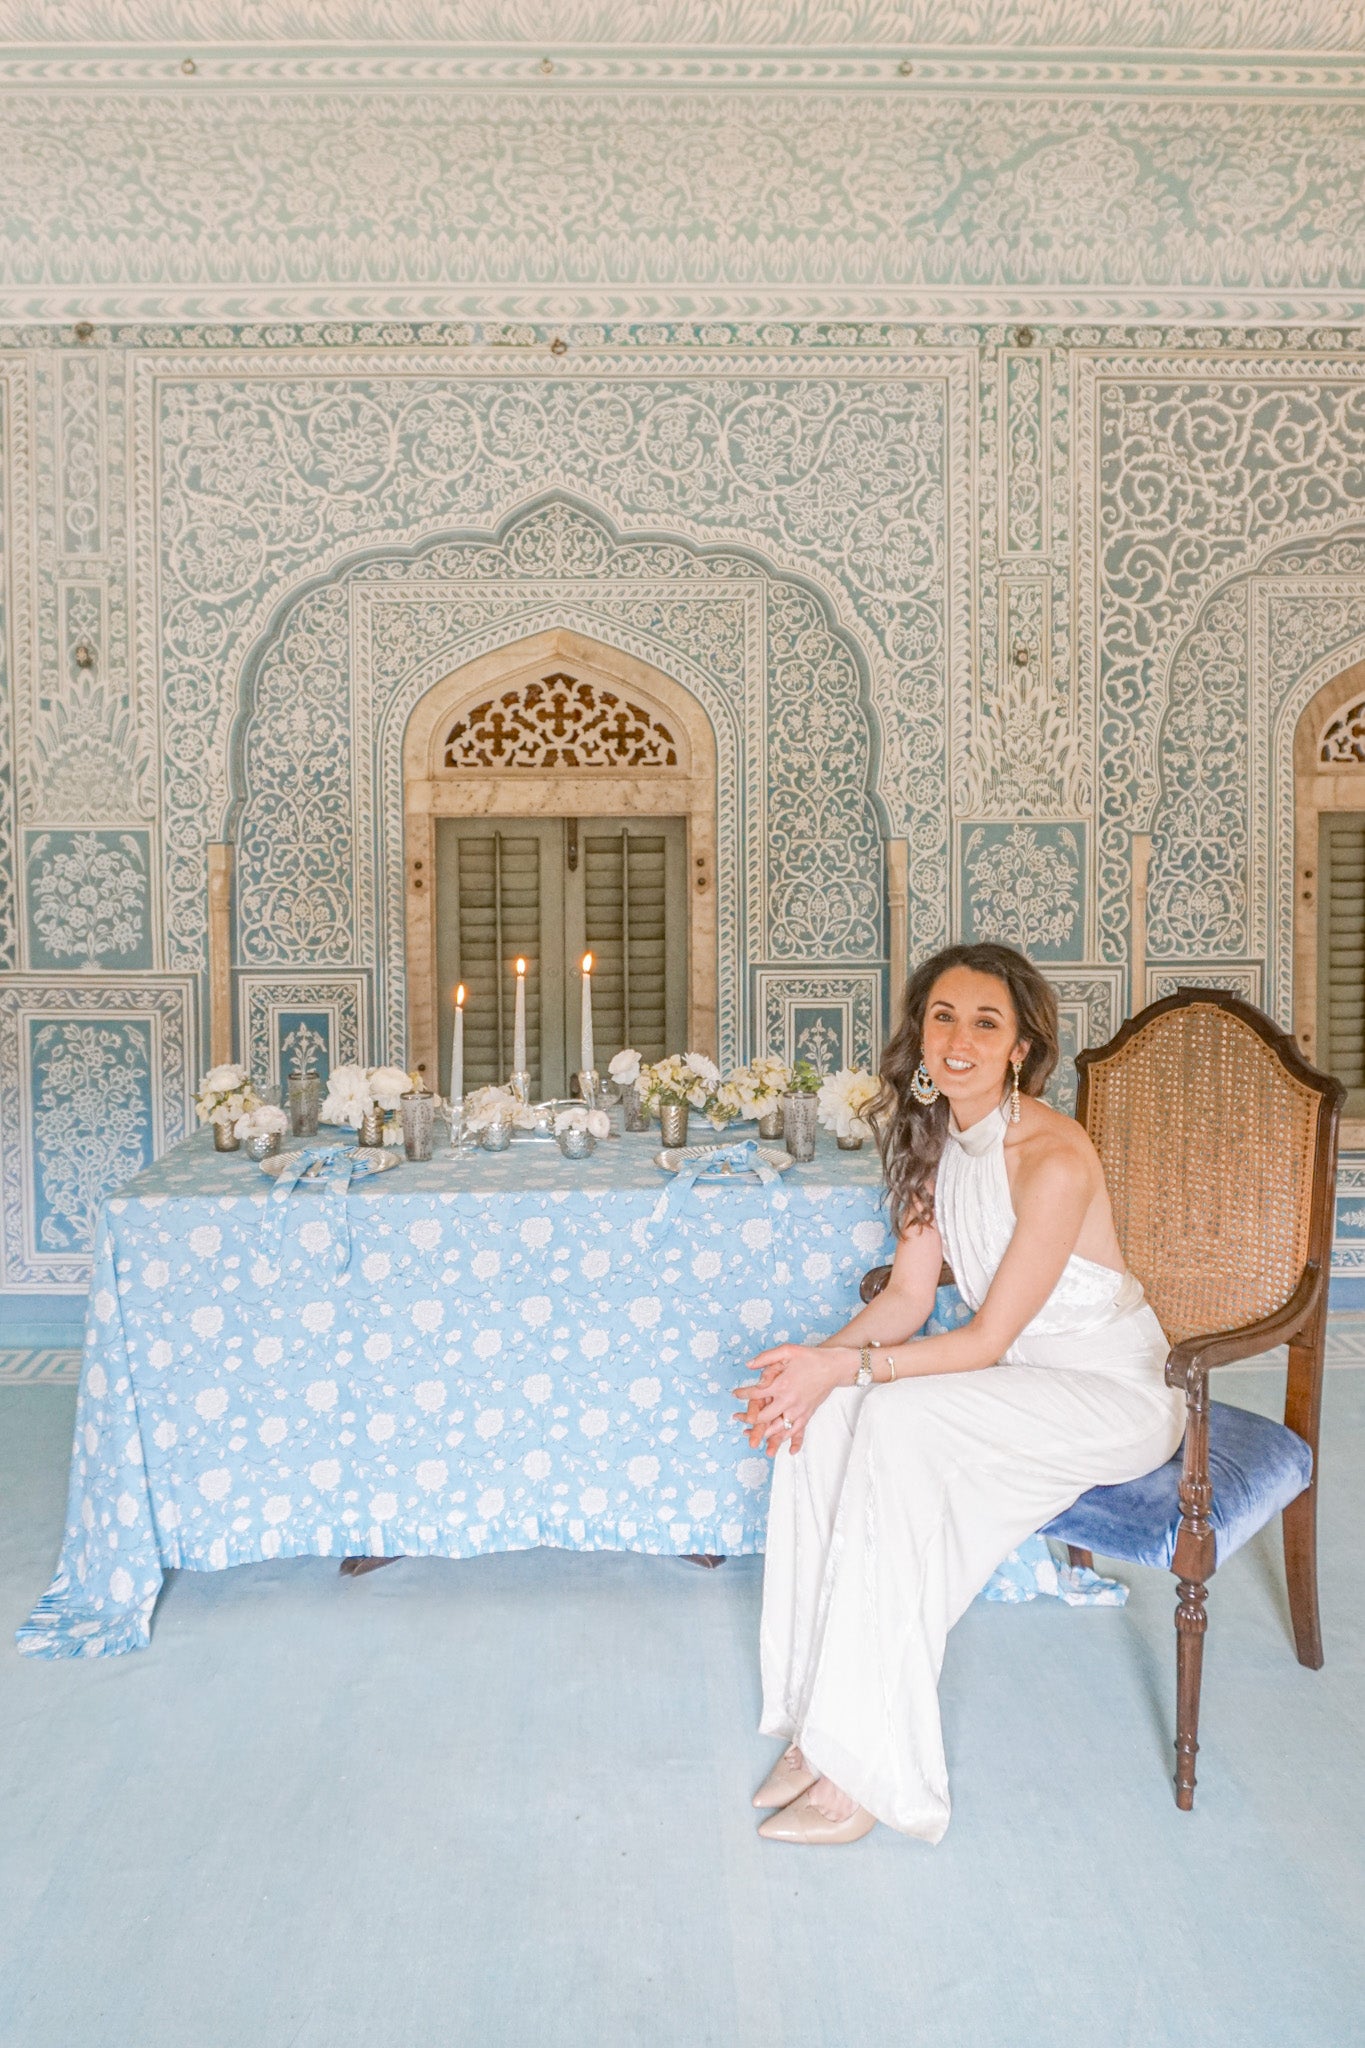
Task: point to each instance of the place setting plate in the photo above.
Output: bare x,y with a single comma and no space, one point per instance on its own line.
365,1159
677,1158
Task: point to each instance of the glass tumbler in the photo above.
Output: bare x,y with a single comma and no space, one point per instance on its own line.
798,1125
418,1110
305,1100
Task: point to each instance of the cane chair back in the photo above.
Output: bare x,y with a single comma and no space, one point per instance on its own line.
1216,1141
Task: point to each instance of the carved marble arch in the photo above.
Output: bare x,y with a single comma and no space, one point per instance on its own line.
557,725
1329,775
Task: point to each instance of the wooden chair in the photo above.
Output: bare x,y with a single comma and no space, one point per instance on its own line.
1219,1146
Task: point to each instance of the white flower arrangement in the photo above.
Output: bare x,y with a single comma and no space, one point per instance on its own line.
487,1106
267,1120
686,1077
225,1094
353,1092
844,1099
624,1069
595,1121
759,1087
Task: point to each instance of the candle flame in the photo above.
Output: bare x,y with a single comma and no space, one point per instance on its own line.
459,996
521,967
587,963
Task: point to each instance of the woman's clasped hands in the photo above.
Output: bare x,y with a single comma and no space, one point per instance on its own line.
793,1380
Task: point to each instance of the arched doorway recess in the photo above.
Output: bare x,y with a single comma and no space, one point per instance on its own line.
634,744
1329,893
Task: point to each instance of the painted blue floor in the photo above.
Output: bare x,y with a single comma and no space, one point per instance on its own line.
506,1802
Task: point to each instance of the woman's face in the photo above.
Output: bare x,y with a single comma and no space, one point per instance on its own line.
971,1035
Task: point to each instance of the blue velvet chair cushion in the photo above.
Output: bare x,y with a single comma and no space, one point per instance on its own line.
1256,1468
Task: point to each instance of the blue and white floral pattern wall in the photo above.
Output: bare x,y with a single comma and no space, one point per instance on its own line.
1012,597
979,436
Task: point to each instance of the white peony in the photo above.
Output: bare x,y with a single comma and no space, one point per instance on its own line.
708,1069
222,1080
843,1099
264,1121
599,1123
624,1069
386,1084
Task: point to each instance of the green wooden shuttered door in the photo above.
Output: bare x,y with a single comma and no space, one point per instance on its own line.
508,888
1341,953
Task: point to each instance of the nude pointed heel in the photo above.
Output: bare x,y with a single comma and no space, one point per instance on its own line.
786,1781
803,1822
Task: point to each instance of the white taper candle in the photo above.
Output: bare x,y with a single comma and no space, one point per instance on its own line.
587,1013
457,1051
519,1027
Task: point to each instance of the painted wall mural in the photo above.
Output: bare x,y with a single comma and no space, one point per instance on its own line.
1010,595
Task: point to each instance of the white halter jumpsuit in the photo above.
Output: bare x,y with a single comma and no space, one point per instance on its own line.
905,1497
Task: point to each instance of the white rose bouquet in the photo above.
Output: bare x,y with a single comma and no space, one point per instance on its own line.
225,1094
487,1105
595,1121
624,1069
759,1087
844,1099
687,1077
353,1092
267,1120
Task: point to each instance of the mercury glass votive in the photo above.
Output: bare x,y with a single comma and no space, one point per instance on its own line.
225,1139
264,1145
305,1101
770,1123
496,1136
633,1111
849,1144
673,1124
576,1141
371,1132
418,1112
798,1125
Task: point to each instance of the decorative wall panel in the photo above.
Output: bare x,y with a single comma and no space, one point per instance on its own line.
303,1020
95,1080
1012,600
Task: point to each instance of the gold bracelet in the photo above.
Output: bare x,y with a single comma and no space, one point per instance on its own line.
891,1363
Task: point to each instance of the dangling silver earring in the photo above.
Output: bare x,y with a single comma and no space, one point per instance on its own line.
1014,1098
923,1086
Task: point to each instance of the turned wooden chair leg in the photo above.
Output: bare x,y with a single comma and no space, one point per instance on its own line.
1190,1623
1300,1524
356,1567
1083,1559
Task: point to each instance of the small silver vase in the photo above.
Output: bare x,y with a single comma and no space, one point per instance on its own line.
673,1124
798,1125
372,1129
263,1146
633,1112
770,1123
497,1136
305,1100
576,1141
849,1144
225,1139
418,1110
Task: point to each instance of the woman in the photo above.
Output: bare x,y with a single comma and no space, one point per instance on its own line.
904,1471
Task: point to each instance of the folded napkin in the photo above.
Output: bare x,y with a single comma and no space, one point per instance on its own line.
332,1167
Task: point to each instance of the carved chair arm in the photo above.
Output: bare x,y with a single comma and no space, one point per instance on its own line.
1196,1356
1189,1366
874,1283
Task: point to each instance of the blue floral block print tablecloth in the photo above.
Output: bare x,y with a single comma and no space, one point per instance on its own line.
473,1354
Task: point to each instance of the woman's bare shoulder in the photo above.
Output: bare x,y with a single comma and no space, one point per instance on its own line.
1047,1135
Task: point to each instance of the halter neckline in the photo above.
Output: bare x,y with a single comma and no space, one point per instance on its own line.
982,1136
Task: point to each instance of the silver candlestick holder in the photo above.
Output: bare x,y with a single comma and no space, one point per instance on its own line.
590,1087
520,1085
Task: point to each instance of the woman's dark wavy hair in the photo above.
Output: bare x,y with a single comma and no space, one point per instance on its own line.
910,1136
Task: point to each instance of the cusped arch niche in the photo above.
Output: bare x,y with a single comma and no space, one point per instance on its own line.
1329,775
558,725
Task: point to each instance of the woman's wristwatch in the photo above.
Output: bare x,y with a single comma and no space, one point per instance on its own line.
863,1376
